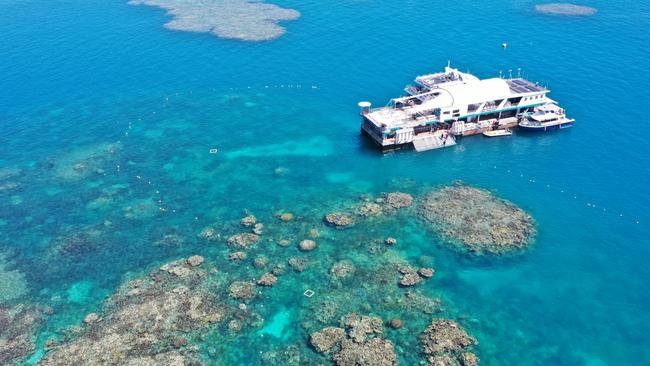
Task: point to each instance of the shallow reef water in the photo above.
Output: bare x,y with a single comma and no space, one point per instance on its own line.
124,204
169,197
127,209
12,282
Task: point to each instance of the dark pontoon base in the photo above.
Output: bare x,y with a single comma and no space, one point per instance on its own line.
387,148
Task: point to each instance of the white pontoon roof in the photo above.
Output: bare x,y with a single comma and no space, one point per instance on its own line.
473,92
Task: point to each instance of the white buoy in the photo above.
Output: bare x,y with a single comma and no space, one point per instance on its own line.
504,45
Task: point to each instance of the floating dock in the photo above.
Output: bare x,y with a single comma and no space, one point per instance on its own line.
441,107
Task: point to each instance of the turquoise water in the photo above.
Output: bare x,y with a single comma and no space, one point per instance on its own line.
104,81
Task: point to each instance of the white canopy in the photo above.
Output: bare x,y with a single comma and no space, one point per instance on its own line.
473,92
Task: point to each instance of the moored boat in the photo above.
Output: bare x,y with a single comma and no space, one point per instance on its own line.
546,118
497,133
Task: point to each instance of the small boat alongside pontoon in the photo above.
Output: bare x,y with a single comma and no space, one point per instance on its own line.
498,133
547,117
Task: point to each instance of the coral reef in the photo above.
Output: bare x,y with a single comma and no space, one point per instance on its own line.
85,162
260,262
426,272
368,209
209,233
258,228
10,173
356,342
141,209
396,323
298,264
8,178
339,220
242,290
236,289
343,269
238,256
361,326
445,342
163,317
387,203
290,355
327,338
375,352
77,242
307,245
477,220
18,326
236,19
170,239
565,9
416,301
248,221
268,280
286,217
397,200
410,277
244,240
195,260
12,282
284,242
91,318
146,320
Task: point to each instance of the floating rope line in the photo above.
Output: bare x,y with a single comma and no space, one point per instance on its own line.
272,86
591,205
118,167
158,198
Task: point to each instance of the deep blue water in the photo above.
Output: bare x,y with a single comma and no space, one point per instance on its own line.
77,74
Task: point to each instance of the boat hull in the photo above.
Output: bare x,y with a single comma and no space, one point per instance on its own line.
543,128
497,133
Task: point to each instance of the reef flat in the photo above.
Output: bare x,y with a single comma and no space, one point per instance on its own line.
477,220
235,19
565,9
316,259
165,317
18,328
147,321
13,284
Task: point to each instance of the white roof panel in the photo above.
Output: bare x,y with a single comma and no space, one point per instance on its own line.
479,91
